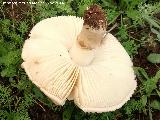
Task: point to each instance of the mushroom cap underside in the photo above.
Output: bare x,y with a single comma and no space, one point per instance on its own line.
104,85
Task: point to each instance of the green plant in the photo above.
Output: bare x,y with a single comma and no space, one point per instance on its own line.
131,47
128,43
143,101
154,58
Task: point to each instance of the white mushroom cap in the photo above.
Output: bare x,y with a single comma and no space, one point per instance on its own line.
49,67
104,84
61,28
108,82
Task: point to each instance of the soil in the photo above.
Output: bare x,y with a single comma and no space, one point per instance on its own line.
156,115
38,113
17,12
140,60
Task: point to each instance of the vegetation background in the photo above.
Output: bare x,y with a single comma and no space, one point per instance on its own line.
137,28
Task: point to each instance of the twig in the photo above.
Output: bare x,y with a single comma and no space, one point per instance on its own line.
150,113
114,26
12,12
36,101
40,105
134,38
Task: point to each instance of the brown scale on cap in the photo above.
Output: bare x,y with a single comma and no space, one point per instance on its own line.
95,17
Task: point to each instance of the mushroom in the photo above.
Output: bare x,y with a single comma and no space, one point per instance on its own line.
68,57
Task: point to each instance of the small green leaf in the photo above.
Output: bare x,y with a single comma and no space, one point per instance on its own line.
82,8
131,47
155,104
140,71
122,33
149,86
68,112
158,92
23,27
8,72
37,92
151,21
154,58
156,32
144,100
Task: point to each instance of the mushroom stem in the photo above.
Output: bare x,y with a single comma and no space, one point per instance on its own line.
90,37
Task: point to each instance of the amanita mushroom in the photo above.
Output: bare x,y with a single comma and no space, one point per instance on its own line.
71,58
